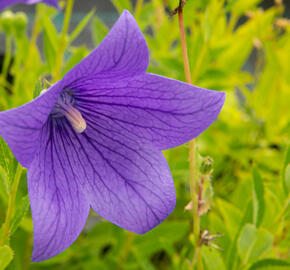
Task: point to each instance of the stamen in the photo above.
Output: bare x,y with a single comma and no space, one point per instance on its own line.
64,107
75,118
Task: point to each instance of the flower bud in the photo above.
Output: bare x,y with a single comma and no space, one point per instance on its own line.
20,23
206,165
6,20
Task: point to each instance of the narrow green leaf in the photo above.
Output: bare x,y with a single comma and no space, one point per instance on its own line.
37,89
120,5
20,211
80,27
240,6
6,256
286,184
7,163
287,178
258,197
49,52
270,264
5,155
50,31
77,55
4,184
99,30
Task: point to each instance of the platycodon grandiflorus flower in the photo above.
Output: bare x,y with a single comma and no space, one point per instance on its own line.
7,3
94,140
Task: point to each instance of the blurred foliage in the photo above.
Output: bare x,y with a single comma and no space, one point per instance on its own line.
234,46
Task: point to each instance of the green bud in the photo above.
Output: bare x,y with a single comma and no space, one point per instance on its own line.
206,165
20,23
7,20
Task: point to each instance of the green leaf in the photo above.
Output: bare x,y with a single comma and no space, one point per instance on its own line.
7,161
270,264
287,178
233,251
258,197
285,172
120,5
253,242
240,6
4,184
77,55
80,26
37,89
161,238
212,258
99,30
245,241
50,30
5,155
49,51
232,216
6,256
20,211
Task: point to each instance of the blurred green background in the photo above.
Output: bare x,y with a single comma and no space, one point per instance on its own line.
235,46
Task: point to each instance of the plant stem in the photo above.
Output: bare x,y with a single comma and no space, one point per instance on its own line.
184,47
192,161
138,8
11,203
63,41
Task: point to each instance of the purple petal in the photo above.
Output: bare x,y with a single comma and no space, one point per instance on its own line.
7,3
161,111
123,53
126,181
59,208
20,127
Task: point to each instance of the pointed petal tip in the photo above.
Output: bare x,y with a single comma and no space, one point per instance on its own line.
36,258
221,100
126,12
143,230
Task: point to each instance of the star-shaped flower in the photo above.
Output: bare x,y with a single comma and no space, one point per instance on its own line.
94,140
7,3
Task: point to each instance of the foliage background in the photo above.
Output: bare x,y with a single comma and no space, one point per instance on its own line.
234,46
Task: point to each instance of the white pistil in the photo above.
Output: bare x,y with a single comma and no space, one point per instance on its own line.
76,119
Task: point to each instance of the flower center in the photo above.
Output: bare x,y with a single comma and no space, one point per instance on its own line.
64,108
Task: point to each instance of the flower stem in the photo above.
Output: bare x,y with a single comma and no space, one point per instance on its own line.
138,8
11,202
63,40
192,159
184,46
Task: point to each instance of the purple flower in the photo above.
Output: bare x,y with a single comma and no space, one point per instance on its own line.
94,140
7,3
